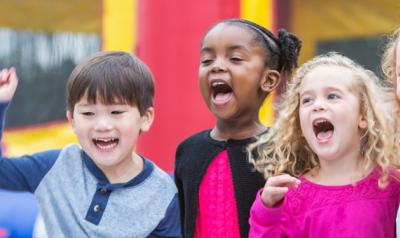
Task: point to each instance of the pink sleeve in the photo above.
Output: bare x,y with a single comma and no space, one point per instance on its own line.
264,221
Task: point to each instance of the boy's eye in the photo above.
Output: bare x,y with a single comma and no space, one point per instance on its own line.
332,96
87,113
117,112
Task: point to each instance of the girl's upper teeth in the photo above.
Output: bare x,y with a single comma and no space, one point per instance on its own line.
217,83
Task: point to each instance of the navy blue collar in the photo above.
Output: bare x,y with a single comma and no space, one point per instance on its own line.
148,168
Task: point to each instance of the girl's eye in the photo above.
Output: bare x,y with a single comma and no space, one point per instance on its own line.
305,100
236,59
206,61
88,113
332,96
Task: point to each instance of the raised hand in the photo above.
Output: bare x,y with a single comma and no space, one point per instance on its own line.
276,187
8,84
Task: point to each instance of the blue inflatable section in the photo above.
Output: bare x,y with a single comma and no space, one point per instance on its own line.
18,212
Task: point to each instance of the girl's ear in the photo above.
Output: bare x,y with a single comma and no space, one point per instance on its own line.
147,119
270,80
363,123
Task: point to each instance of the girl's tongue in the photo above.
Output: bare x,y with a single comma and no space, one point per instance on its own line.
222,98
324,135
221,92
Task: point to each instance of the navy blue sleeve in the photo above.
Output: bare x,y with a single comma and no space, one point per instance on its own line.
170,226
23,173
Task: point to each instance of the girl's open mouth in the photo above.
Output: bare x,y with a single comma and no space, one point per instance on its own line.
323,129
221,92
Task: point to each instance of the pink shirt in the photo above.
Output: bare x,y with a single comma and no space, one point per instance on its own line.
217,215
314,211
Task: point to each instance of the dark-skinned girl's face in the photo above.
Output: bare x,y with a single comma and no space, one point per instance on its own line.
232,71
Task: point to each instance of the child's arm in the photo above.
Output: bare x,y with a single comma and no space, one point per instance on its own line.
266,214
26,172
170,226
8,84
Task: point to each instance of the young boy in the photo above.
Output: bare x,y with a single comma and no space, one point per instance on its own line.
101,189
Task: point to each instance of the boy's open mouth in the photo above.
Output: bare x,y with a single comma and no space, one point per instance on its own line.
221,92
323,129
105,144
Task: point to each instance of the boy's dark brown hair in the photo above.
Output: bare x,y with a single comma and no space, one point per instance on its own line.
111,77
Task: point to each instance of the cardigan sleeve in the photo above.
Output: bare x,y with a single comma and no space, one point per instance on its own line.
266,222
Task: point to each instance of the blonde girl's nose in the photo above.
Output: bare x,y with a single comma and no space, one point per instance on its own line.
319,105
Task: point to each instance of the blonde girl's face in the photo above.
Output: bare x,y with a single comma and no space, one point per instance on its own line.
330,113
397,70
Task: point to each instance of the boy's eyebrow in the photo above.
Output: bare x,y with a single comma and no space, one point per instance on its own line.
84,104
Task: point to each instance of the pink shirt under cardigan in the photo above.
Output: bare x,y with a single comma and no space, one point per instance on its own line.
217,215
314,211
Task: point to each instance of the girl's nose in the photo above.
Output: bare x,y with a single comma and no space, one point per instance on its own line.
319,105
218,66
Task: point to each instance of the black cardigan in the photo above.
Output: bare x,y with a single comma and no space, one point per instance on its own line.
193,157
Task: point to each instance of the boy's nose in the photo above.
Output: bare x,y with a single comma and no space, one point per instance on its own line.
103,124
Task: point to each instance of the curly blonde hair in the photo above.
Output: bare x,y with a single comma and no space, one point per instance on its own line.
388,62
283,149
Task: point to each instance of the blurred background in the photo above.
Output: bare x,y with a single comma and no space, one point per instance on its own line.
46,39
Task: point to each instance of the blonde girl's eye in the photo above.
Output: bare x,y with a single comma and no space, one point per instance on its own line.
332,96
306,100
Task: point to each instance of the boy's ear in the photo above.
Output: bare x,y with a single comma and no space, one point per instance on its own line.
147,119
70,119
270,80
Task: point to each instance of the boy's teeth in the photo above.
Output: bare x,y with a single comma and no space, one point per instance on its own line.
106,147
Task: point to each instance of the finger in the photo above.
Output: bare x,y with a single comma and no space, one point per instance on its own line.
273,191
12,75
282,180
272,195
3,75
13,81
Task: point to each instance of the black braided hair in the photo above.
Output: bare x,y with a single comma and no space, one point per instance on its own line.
282,51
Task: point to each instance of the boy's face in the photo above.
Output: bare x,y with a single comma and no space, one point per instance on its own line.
231,72
108,133
329,113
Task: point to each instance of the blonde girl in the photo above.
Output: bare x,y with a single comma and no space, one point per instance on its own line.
329,157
